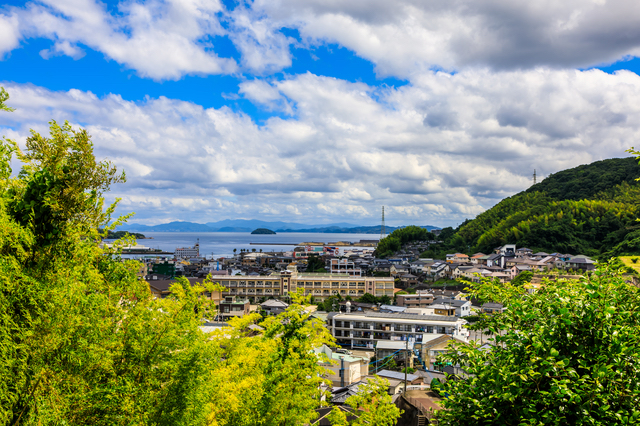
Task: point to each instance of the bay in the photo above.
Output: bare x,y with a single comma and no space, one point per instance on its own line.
221,244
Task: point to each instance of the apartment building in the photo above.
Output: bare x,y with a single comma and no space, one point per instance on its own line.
421,299
345,266
365,329
319,285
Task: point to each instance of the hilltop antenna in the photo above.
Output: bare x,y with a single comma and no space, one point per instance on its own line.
534,176
383,231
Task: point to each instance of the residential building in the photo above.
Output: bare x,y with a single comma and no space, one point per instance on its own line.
319,285
232,307
364,329
343,369
421,299
491,308
461,307
274,306
164,268
344,266
457,258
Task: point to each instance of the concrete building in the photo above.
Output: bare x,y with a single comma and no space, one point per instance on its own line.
345,266
364,329
187,252
421,299
319,285
232,307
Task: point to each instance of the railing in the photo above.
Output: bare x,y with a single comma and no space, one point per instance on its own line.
425,411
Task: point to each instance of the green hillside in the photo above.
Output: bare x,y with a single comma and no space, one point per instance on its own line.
590,209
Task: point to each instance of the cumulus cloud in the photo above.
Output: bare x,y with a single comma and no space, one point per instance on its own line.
159,39
167,39
408,36
348,148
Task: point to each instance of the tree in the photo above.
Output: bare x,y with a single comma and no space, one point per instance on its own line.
4,97
372,405
315,264
567,354
82,339
522,278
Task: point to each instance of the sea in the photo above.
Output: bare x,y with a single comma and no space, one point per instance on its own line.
214,245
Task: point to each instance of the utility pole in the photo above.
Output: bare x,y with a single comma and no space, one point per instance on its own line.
406,364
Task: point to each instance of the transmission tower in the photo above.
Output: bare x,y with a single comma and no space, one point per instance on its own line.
383,231
534,176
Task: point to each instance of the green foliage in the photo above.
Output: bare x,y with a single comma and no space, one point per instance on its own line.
372,405
4,97
370,298
589,210
315,264
567,354
394,241
116,235
330,304
83,341
435,385
522,278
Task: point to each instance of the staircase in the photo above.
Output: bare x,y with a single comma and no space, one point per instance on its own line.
422,420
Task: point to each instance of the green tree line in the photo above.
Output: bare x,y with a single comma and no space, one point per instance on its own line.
394,241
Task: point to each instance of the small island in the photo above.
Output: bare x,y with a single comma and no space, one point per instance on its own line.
263,231
114,235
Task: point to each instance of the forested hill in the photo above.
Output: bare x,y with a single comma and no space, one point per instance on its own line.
590,209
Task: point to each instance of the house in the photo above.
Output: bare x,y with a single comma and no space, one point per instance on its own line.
433,345
443,309
492,308
524,252
438,270
580,262
412,379
397,270
232,307
274,306
515,270
420,266
408,280
459,271
343,369
461,308
457,258
477,258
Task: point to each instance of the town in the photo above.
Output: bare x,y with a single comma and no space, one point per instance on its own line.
390,317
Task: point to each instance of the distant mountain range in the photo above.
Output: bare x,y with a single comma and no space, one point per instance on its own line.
247,225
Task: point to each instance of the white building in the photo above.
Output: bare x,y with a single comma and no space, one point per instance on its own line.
364,329
187,252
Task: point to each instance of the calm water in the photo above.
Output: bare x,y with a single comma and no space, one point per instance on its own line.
221,244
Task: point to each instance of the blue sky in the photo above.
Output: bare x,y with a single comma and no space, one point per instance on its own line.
319,111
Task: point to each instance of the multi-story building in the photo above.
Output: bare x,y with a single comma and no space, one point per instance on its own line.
344,266
364,329
232,307
319,285
187,252
421,299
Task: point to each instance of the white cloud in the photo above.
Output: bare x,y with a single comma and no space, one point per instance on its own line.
167,39
9,34
435,152
407,37
159,39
